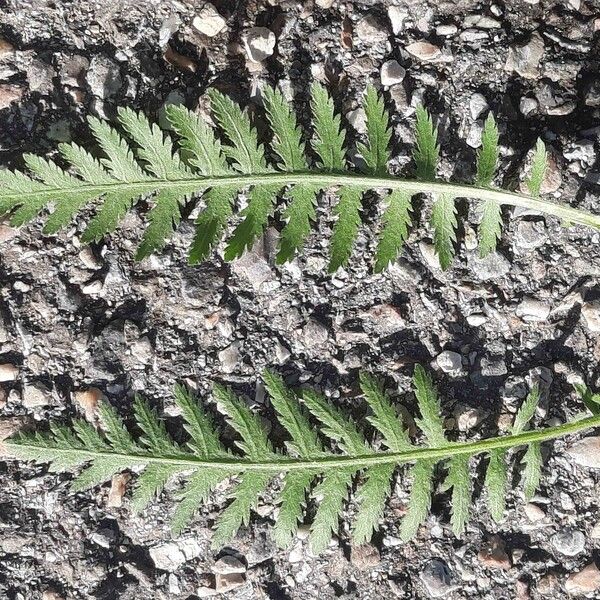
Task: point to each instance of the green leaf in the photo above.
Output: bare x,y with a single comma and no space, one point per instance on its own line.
155,436
376,152
527,410
443,220
490,228
459,482
396,221
287,137
495,482
532,472
385,418
254,442
116,433
346,227
426,151
371,501
591,400
100,471
430,423
299,214
245,497
539,165
150,484
305,441
487,157
195,493
292,503
335,423
204,438
329,135
419,503
330,493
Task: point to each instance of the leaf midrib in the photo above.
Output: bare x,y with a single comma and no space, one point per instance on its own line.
285,464
324,180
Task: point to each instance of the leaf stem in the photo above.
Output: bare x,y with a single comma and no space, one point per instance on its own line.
325,180
284,464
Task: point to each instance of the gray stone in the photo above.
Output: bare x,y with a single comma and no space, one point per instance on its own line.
477,105
437,578
36,394
392,73
370,30
493,266
531,309
260,43
208,21
171,555
586,452
569,542
590,312
230,357
424,51
449,361
525,59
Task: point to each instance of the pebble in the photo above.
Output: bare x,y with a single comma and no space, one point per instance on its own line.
324,3
88,401
493,554
260,43
423,51
531,310
118,485
586,452
446,30
230,357
103,77
548,584
8,372
528,106
530,234
449,361
369,30
595,533
171,555
9,93
491,268
208,21
437,578
585,581
477,106
591,315
534,512
35,394
365,557
392,73
229,564
397,15
525,59
569,542
314,333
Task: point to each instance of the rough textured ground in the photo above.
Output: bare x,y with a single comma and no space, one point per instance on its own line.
73,318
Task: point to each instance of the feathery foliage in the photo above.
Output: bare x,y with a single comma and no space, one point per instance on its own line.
307,468
214,164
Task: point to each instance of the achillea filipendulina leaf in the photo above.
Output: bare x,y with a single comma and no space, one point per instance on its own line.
427,150
144,164
396,221
495,483
443,220
313,473
539,165
375,152
490,227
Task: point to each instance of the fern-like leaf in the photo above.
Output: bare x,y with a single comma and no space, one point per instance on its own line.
144,164
310,468
539,165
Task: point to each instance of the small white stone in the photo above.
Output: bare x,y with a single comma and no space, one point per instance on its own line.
392,73
534,512
591,315
397,16
8,372
35,395
476,320
171,555
477,106
208,22
423,51
228,564
446,30
533,310
260,43
324,3
528,106
449,361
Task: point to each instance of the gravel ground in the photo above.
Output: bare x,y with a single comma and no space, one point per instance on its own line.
76,318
